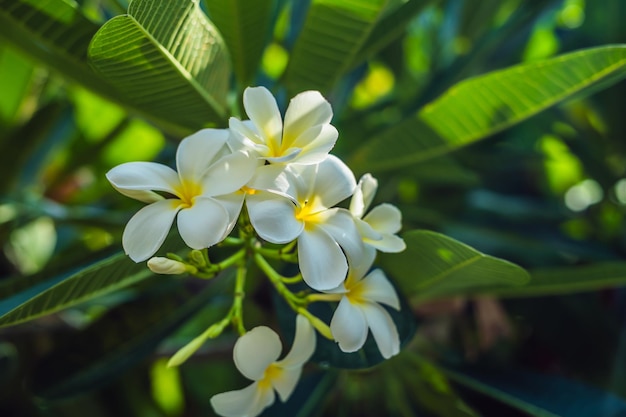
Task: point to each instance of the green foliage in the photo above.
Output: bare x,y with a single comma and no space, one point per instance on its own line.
479,107
167,60
416,88
436,266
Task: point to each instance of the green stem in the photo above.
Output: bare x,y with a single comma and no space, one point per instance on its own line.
236,314
311,298
277,280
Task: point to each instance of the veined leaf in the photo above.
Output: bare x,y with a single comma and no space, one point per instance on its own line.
100,278
245,25
481,106
167,60
54,32
566,280
65,290
333,33
435,266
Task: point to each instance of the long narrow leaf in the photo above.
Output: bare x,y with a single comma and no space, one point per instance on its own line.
245,25
482,106
167,59
567,280
333,33
434,266
54,32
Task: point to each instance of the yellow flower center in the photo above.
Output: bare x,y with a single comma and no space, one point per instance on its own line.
306,214
355,290
272,373
187,191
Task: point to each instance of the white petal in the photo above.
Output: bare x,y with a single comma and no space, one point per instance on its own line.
263,111
366,231
204,224
255,351
232,203
303,344
363,195
348,326
228,174
196,152
388,243
146,230
272,178
273,217
385,218
305,110
322,262
141,195
286,382
334,182
315,143
383,329
286,156
244,136
339,223
247,402
376,287
142,176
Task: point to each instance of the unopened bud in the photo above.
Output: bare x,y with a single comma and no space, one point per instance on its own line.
160,265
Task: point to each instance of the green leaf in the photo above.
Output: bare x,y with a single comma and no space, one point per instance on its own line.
332,35
537,394
436,266
389,28
245,26
16,75
567,280
54,32
119,339
65,290
167,60
481,106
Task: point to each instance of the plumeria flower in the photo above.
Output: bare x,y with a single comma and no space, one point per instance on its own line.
360,310
305,137
298,204
204,193
378,228
255,355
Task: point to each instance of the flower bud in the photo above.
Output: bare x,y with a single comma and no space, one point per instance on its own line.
160,265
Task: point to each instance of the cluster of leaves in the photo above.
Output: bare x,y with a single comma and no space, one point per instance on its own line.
83,91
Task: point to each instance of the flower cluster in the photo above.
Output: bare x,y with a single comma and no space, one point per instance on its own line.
281,170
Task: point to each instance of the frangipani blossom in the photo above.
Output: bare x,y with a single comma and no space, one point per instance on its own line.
204,193
359,310
255,355
298,204
378,228
306,136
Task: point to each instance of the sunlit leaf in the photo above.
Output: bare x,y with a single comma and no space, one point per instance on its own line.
481,106
54,32
16,75
566,280
245,26
332,35
435,266
168,60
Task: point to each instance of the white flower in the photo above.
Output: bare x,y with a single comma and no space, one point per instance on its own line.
298,205
379,226
255,356
204,193
359,310
305,138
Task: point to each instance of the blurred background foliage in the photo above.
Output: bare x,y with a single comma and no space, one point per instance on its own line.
548,194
